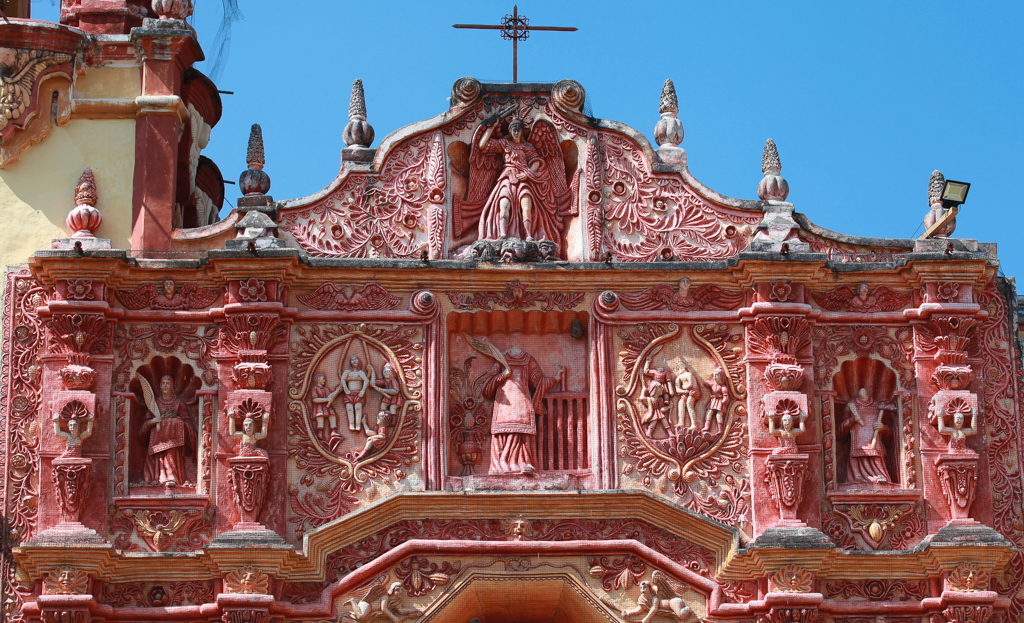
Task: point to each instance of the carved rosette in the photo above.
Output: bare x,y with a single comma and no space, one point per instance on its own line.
72,481
958,475
785,478
249,477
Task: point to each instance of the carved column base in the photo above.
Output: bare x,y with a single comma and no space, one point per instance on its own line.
249,477
72,481
65,608
969,607
243,608
958,474
785,478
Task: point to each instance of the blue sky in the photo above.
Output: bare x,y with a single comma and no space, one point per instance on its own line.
864,99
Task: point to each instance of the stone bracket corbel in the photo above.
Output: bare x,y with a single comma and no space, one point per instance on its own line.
162,105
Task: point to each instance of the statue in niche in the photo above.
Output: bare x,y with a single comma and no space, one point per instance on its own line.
719,395
165,415
657,397
75,435
324,414
517,386
166,432
517,184
869,439
688,390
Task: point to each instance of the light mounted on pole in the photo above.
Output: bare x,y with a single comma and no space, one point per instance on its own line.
954,193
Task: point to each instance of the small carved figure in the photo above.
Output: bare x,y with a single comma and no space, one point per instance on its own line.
517,386
657,596
688,390
784,430
166,432
380,602
390,390
868,439
67,581
74,435
355,382
517,185
719,394
247,580
657,397
957,433
378,436
249,435
323,412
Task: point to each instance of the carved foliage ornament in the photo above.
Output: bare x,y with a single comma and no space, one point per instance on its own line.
349,457
167,297
21,69
968,577
687,454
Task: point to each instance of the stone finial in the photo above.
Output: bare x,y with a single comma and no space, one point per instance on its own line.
357,132
935,185
668,133
773,187
85,219
254,181
669,102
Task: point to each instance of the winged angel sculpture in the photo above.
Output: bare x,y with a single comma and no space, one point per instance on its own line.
517,184
864,299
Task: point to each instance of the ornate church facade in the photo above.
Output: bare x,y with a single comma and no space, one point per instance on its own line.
514,365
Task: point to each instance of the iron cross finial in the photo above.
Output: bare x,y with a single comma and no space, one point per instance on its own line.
515,27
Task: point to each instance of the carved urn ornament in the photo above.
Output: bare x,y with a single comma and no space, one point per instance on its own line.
254,181
85,219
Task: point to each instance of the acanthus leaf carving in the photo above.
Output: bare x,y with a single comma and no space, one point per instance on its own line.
792,579
877,590
516,296
371,215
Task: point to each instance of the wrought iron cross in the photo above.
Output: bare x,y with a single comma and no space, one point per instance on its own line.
517,28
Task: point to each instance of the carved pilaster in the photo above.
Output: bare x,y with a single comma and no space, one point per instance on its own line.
72,481
249,477
785,478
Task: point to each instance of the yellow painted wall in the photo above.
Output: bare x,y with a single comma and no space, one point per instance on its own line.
37,192
110,82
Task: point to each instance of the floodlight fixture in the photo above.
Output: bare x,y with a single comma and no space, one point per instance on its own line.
954,193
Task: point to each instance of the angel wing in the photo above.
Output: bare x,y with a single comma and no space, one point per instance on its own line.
484,169
196,297
657,297
486,348
376,593
544,139
886,299
660,581
147,393
373,296
835,300
322,298
710,296
139,298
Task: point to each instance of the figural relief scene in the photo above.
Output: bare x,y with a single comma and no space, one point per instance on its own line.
514,359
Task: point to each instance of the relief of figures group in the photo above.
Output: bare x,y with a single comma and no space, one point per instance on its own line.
661,390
